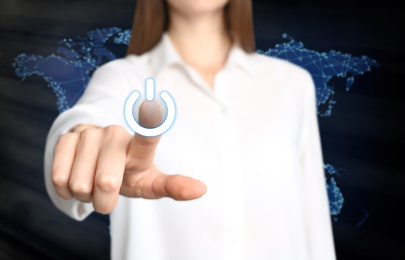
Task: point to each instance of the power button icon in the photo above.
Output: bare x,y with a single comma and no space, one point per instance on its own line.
133,120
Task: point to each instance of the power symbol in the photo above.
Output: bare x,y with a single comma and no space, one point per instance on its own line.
150,96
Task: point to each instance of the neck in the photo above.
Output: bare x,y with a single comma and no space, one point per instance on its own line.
201,40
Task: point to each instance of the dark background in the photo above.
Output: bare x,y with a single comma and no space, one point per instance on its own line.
364,135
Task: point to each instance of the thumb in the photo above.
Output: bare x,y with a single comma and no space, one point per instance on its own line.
178,187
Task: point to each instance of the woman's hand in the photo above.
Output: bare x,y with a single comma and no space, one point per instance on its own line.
94,164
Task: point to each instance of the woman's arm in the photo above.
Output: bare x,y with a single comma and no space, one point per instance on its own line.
90,158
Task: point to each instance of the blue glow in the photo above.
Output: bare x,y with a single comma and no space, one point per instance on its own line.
123,37
335,197
148,95
331,169
133,124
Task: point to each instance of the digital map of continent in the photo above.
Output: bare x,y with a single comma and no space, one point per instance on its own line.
69,70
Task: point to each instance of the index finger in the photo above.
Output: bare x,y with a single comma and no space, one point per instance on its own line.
142,148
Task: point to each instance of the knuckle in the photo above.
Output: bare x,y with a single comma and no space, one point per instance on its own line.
133,185
113,131
65,139
108,183
88,135
59,180
80,188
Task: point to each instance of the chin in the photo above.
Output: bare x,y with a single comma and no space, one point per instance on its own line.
195,7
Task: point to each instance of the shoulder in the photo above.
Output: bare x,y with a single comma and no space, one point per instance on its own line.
131,68
282,69
280,75
124,64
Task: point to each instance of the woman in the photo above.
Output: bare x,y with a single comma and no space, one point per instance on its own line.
246,133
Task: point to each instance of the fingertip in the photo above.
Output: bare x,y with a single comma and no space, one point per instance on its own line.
103,208
200,188
185,188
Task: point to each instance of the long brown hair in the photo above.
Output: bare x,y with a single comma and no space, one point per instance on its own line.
151,20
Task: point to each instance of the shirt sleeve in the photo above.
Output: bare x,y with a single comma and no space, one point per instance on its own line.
318,220
101,104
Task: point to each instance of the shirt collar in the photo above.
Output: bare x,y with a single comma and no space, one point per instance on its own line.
164,55
239,58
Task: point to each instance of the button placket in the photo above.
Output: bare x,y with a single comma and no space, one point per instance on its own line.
232,178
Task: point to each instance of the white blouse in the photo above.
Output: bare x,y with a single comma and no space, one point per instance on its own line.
253,140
